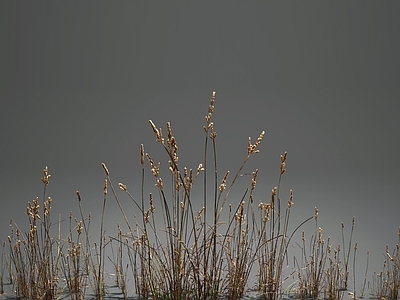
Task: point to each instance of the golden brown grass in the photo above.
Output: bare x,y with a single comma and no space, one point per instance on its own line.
202,258
323,272
386,283
190,252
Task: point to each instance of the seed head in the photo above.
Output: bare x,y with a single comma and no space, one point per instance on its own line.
200,168
157,132
259,139
283,170
254,179
105,168
189,180
147,216
105,187
46,176
79,227
290,202
199,213
122,186
283,157
141,154
222,186
159,183
79,196
154,168
152,208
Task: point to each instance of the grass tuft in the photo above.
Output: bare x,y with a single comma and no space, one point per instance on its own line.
177,247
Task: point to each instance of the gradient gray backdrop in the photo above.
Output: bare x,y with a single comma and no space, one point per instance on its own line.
79,81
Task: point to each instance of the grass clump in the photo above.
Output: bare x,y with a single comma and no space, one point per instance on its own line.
322,271
197,254
386,283
43,265
177,247
32,255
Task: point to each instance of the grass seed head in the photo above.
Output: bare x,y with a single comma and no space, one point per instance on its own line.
290,202
199,169
199,213
222,186
208,120
254,179
105,168
209,124
79,227
283,157
79,196
390,257
170,168
159,183
212,98
249,146
47,207
178,182
46,176
155,169
141,154
172,146
189,180
147,216
259,139
122,186
283,170
157,132
152,208
169,132
105,187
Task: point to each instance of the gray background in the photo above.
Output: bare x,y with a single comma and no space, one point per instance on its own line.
79,81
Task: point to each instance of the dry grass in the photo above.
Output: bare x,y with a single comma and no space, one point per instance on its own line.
323,272
386,283
203,258
32,255
190,252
